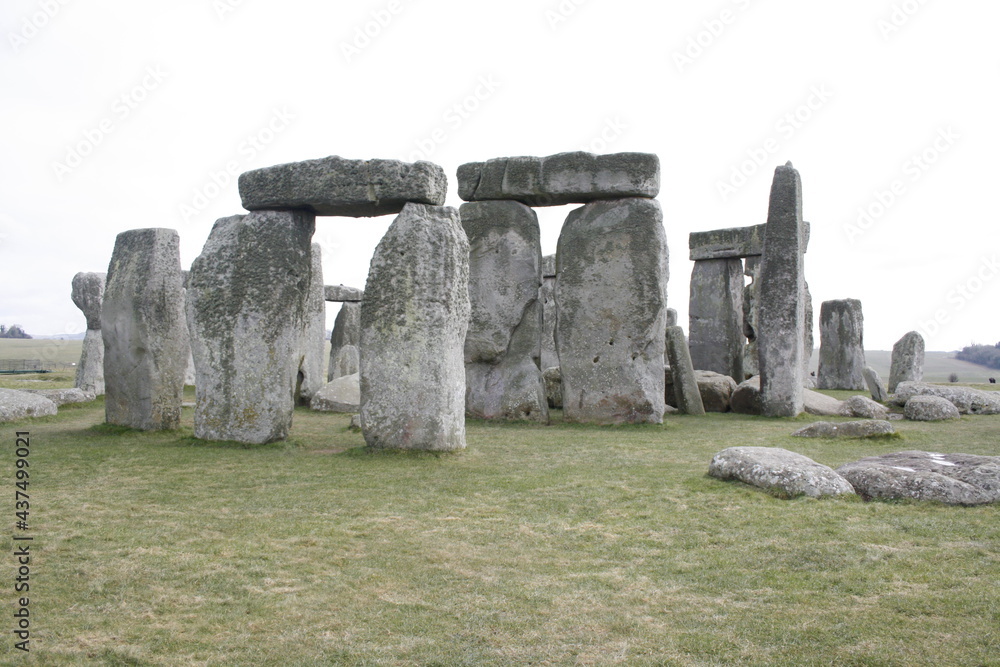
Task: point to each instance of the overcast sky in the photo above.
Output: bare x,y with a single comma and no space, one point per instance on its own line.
120,115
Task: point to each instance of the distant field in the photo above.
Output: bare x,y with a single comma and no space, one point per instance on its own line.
49,351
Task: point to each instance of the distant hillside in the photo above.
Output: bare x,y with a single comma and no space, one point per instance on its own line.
938,366
75,336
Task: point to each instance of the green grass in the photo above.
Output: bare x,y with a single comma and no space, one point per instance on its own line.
543,545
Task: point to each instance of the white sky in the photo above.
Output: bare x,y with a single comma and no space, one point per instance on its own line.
161,98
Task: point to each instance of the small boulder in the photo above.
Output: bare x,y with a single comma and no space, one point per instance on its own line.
716,390
341,394
953,479
864,407
16,405
821,405
868,428
746,397
930,409
778,470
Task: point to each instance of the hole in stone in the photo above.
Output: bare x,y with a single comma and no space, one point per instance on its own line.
596,359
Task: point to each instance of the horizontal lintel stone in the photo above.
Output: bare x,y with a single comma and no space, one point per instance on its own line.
729,243
343,293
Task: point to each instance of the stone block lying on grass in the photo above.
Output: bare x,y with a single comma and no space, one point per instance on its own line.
16,405
63,396
930,409
953,479
868,428
342,394
967,400
864,407
778,470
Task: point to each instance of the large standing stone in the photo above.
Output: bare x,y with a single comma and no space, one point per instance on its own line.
88,294
686,390
335,186
145,337
715,316
503,344
413,324
247,299
907,360
751,269
345,357
612,292
547,295
780,309
841,345
311,352
566,178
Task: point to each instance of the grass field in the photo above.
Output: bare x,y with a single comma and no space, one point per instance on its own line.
544,545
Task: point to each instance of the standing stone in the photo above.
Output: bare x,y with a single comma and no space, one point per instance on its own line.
145,340
841,345
310,377
345,357
413,324
686,390
547,295
751,270
875,384
88,294
503,343
247,299
907,360
715,316
780,309
671,317
612,294
807,335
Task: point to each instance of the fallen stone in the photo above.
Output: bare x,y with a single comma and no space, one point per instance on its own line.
875,385
778,471
746,397
63,396
716,390
336,186
566,178
907,363
841,345
864,407
685,385
340,395
966,399
16,405
930,409
343,293
868,428
821,405
953,479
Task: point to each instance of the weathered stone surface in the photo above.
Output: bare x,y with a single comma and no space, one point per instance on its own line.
547,297
815,403
336,186
862,406
746,397
355,422
868,428
90,371
750,366
841,345
715,316
807,338
340,395
671,317
780,309
15,405
685,384
343,293
345,357
413,324
716,390
930,409
313,344
966,399
875,385
246,307
553,387
88,294
612,291
907,360
549,266
503,343
953,479
63,396
566,178
145,337
731,243
778,470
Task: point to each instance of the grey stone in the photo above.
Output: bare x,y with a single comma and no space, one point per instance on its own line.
671,317
815,403
778,471
746,397
312,349
953,479
566,178
143,326
841,345
413,324
16,405
862,406
731,243
340,395
355,422
780,307
337,186
343,293
553,387
549,266
88,294
345,357
715,316
547,297
809,379
503,343
612,292
750,366
907,360
966,399
682,373
63,396
875,385
716,390
930,409
868,428
246,307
